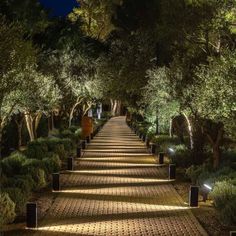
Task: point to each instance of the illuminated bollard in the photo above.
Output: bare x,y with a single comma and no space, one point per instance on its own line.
153,148
193,196
144,138
83,144
78,152
88,139
147,142
70,163
161,158
56,182
172,171
31,215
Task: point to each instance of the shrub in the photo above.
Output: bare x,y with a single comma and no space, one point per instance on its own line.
39,178
164,142
52,164
73,128
7,209
19,197
12,165
69,134
181,156
23,182
224,197
37,149
68,145
204,173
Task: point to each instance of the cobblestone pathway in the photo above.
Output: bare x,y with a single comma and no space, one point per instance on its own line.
117,188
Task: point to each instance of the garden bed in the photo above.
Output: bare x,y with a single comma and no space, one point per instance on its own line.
206,214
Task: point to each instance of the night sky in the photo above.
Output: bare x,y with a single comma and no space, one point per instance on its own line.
59,7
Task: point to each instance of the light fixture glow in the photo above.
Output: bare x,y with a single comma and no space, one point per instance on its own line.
171,150
207,186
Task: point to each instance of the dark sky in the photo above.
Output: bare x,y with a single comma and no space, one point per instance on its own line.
59,7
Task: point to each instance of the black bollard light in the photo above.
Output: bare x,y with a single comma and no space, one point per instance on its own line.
70,163
31,215
78,152
92,136
144,138
56,182
172,171
88,139
153,148
147,142
193,196
161,158
140,135
83,144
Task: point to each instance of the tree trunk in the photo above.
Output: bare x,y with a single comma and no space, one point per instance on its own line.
1,133
171,128
113,107
19,131
30,124
52,120
216,146
157,123
190,130
118,108
216,156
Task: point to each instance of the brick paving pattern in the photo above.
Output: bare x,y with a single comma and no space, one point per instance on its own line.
118,189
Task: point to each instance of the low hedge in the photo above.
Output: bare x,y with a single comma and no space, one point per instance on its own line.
62,147
19,197
181,156
224,197
204,173
7,209
12,165
164,142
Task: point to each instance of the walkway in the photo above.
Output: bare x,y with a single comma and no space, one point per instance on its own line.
118,189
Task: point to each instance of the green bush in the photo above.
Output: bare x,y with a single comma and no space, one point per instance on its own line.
23,182
74,128
204,173
52,164
224,197
7,209
164,142
68,134
39,178
181,156
37,149
12,165
19,197
229,155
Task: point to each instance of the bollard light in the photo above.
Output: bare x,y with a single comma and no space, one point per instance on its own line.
172,171
83,144
70,163
31,215
56,182
161,158
78,152
88,139
153,148
144,138
92,136
205,191
193,196
147,142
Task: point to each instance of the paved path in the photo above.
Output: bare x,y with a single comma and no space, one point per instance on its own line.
118,189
